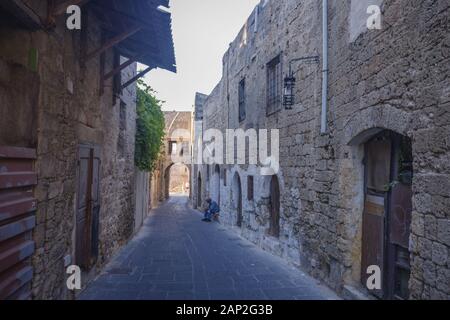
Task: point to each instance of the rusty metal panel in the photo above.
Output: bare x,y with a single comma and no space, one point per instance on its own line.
14,280
13,205
17,221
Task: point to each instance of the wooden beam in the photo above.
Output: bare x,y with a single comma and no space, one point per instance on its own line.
62,8
137,77
122,66
112,42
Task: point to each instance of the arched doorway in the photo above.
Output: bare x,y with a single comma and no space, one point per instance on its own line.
237,199
199,191
387,212
216,184
176,180
274,207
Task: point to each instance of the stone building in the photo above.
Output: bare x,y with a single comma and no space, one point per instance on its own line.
364,174
197,152
68,191
172,173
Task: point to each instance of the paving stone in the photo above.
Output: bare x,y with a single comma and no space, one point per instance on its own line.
232,272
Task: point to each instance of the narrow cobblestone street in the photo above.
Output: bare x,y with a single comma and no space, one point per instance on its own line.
177,257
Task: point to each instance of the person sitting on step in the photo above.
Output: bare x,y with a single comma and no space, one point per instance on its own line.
213,210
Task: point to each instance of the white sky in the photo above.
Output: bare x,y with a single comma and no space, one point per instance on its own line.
202,32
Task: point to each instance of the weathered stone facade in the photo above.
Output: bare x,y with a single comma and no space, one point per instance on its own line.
396,79
71,110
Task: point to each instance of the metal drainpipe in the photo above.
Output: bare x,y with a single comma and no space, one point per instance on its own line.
323,126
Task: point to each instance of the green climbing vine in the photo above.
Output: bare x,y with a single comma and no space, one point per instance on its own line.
150,127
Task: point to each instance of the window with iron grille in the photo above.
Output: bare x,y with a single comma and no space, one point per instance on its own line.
242,113
274,85
250,188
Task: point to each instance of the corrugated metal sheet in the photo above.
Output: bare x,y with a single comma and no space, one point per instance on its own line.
17,220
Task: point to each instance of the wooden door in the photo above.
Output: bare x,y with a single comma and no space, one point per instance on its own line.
399,219
274,207
88,206
199,192
238,199
387,213
378,164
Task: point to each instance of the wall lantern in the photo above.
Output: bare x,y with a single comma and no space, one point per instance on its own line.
288,95
289,81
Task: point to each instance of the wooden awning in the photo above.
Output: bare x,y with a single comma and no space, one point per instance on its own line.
147,29
140,30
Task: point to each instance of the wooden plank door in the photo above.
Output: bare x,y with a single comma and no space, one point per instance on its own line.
377,179
87,220
274,207
240,217
399,219
387,213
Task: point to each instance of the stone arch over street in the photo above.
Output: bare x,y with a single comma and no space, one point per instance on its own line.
173,171
177,179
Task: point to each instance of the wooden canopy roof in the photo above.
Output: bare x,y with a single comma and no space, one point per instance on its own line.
150,27
140,30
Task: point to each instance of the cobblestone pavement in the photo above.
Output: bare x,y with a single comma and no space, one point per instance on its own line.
175,256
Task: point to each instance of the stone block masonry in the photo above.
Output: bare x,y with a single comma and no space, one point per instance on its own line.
391,80
71,111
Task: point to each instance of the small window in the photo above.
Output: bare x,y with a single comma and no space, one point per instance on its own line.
172,148
225,177
250,188
274,86
242,113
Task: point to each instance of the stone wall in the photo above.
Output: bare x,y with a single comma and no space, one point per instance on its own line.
71,110
396,78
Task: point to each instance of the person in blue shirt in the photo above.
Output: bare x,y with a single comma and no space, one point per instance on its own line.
213,208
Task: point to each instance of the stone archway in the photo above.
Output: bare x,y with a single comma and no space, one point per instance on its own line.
237,199
387,172
176,179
